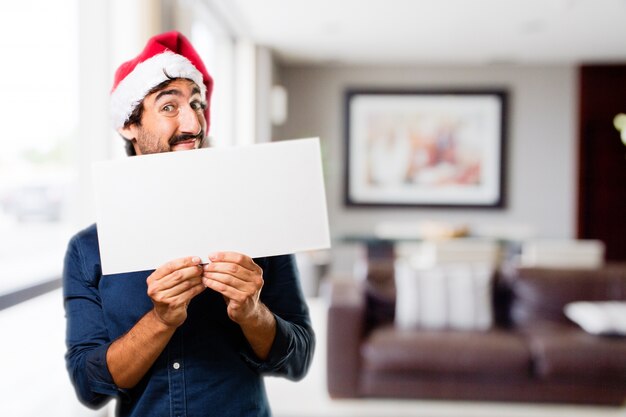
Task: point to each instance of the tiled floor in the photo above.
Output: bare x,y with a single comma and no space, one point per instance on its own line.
34,382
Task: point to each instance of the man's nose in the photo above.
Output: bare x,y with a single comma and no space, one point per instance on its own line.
190,120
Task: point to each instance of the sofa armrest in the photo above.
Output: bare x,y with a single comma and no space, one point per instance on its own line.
346,323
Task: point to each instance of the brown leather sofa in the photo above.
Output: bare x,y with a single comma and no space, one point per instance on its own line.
532,353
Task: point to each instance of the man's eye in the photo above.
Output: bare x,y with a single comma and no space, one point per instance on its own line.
168,108
197,105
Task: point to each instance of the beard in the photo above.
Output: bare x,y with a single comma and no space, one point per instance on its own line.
148,143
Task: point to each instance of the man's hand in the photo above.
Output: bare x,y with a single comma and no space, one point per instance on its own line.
239,280
172,286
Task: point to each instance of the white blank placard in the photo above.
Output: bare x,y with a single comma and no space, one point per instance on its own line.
260,200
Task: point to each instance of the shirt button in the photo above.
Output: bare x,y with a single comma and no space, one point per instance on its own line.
176,365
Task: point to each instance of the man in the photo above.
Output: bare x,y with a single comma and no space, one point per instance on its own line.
185,339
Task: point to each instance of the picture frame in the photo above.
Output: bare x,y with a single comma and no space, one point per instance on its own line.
438,148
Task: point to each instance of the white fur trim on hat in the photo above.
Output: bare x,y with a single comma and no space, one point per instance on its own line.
145,76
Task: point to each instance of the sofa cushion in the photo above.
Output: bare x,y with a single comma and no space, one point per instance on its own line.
454,296
462,352
380,292
573,353
539,294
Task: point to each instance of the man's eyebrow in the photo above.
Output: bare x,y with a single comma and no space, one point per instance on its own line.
175,92
172,91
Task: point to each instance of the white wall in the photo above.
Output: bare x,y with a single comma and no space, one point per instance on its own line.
541,141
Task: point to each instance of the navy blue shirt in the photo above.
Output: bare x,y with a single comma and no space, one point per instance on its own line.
207,368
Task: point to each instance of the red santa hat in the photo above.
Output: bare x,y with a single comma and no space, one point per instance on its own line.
168,55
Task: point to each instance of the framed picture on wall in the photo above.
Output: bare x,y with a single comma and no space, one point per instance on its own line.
425,148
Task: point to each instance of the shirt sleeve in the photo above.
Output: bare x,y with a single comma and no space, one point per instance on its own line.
86,335
292,350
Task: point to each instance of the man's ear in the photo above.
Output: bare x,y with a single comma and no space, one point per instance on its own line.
127,132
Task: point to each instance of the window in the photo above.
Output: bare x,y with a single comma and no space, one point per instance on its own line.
39,110
215,47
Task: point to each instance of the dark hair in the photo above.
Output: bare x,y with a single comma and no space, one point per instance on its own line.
137,113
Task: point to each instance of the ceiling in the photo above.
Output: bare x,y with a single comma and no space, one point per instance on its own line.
396,32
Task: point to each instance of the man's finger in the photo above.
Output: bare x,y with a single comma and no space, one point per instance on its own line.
228,268
236,258
180,288
226,290
177,264
190,293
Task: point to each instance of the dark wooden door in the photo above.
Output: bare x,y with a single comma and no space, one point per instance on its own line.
602,158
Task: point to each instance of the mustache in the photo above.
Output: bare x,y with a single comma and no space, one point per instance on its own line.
182,138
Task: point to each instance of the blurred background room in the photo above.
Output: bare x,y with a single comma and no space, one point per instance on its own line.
474,156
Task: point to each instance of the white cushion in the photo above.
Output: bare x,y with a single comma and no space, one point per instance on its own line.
432,253
573,253
601,317
455,296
